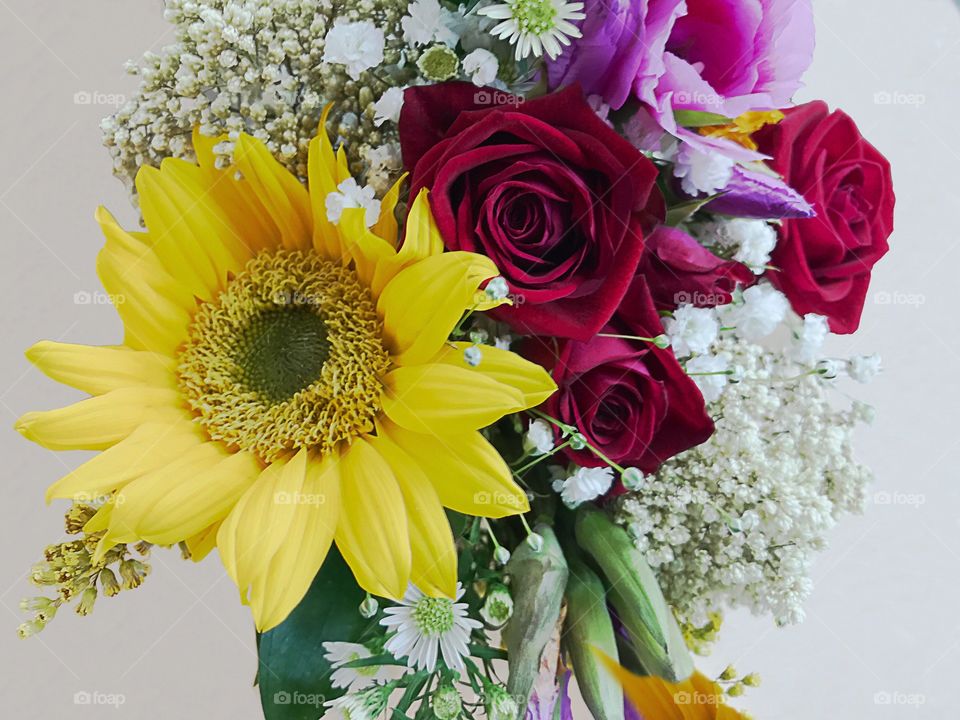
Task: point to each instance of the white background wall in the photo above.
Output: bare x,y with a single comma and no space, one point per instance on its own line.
882,638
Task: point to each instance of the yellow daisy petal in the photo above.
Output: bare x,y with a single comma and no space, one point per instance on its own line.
101,421
433,553
507,368
439,398
423,303
282,194
372,532
299,558
98,370
467,472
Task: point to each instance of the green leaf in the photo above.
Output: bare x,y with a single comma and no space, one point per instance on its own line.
684,211
294,677
697,118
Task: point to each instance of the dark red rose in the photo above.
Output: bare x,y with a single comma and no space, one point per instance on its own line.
825,262
630,399
548,191
679,270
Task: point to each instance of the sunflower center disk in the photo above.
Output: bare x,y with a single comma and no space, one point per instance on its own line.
290,355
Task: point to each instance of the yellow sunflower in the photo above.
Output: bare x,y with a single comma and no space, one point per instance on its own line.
286,382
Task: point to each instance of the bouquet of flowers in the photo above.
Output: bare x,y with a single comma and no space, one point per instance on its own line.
484,343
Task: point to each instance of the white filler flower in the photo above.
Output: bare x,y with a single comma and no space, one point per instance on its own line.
692,330
427,21
389,106
358,45
341,653
482,66
535,26
425,625
351,195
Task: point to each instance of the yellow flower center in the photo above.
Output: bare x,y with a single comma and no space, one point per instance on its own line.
290,355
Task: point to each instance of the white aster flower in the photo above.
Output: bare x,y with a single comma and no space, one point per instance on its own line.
702,172
809,338
426,22
535,26
709,374
341,653
584,485
761,310
424,625
388,107
539,438
358,45
864,368
482,66
692,330
351,195
368,704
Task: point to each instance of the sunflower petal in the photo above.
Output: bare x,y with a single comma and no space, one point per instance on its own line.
300,556
203,543
434,554
467,472
386,226
99,422
507,368
423,238
285,198
260,521
372,532
374,258
150,446
423,303
190,497
322,179
98,370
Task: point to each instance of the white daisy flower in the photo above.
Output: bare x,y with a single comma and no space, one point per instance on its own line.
354,679
350,195
535,26
368,704
423,625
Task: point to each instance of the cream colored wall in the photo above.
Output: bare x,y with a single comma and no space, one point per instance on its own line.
881,624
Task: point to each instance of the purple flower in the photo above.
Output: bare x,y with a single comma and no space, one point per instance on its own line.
719,56
753,194
621,51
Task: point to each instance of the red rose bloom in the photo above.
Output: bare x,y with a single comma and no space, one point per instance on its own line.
680,271
630,399
825,262
544,188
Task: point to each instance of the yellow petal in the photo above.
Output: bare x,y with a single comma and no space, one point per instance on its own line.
374,258
150,446
387,226
651,696
441,398
423,237
507,368
155,308
467,472
260,521
99,422
171,235
322,179
282,194
216,230
423,303
203,146
434,554
299,558
98,370
201,544
372,532
176,502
